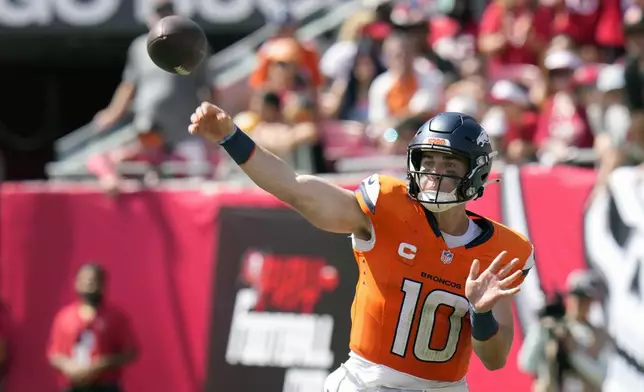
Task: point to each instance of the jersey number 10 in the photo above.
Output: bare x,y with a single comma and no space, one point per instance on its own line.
427,322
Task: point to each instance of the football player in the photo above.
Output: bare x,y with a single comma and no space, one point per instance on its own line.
436,281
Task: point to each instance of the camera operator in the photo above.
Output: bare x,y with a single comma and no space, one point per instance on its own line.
565,351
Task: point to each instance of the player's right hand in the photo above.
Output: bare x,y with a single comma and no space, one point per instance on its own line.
211,122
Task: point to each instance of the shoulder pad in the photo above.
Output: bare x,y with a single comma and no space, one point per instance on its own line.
377,187
519,243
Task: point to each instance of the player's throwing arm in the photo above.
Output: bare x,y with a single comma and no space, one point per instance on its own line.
325,205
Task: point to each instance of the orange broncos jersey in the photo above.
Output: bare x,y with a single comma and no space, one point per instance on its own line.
410,312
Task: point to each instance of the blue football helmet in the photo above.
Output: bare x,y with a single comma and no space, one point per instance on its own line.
457,134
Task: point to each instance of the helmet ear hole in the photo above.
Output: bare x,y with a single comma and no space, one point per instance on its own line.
463,187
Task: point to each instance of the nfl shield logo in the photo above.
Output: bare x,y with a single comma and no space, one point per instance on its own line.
447,256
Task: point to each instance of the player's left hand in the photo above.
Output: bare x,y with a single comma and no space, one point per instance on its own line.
484,290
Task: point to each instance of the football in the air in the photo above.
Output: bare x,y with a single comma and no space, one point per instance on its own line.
177,45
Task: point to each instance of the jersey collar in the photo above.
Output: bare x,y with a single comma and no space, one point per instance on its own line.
486,226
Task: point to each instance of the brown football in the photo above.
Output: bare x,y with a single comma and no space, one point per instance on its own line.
177,45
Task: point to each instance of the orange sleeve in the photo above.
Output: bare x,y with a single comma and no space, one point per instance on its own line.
373,194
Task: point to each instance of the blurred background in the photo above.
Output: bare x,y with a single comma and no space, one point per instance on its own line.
212,284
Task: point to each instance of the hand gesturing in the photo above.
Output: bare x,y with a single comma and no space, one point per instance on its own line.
486,289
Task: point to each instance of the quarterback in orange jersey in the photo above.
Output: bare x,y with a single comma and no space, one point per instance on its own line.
436,281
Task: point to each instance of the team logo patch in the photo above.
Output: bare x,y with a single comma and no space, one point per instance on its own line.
447,256
483,139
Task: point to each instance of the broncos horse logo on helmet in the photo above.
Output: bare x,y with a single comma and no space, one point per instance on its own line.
462,136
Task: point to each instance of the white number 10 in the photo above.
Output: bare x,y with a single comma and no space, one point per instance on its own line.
427,319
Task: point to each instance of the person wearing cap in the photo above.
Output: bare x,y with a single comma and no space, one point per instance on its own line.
566,351
589,346
515,142
307,57
583,287
283,59
563,125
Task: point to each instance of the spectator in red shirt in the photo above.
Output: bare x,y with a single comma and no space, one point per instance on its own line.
91,341
512,32
563,124
520,122
607,34
575,19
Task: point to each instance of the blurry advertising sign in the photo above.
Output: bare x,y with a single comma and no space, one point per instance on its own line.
282,299
119,16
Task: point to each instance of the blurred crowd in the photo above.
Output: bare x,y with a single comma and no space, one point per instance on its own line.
552,81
